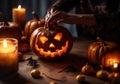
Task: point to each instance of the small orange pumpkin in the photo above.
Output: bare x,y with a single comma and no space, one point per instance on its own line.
33,24
23,44
35,73
88,70
98,51
102,74
80,78
52,43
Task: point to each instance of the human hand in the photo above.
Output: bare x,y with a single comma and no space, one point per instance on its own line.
54,17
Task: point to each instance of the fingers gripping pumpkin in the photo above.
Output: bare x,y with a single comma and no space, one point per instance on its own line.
51,43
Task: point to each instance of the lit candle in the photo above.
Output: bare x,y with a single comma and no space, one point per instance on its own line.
8,56
114,74
19,15
115,66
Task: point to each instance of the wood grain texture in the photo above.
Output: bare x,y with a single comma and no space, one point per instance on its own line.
77,58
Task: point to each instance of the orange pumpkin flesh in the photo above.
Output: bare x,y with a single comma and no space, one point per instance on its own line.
51,44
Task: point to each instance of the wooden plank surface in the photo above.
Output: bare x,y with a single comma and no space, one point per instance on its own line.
77,58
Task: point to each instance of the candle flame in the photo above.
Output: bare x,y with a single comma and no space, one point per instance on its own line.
115,65
5,43
19,7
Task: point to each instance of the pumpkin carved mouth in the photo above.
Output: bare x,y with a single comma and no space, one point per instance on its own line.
57,52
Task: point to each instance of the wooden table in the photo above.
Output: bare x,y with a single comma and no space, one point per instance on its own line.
77,58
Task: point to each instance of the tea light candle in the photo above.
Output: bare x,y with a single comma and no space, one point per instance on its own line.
115,66
8,56
115,73
19,15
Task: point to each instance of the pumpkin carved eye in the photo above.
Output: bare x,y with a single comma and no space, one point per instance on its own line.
58,36
43,39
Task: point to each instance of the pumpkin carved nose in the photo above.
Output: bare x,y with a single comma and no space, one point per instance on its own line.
51,45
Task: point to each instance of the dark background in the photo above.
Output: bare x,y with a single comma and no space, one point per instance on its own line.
39,6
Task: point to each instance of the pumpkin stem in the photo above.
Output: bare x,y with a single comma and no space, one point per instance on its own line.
4,18
102,42
35,15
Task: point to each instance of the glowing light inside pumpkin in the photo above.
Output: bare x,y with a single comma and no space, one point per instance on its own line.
111,61
43,39
58,36
51,45
49,53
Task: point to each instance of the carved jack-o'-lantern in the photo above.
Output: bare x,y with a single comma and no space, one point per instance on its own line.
51,43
